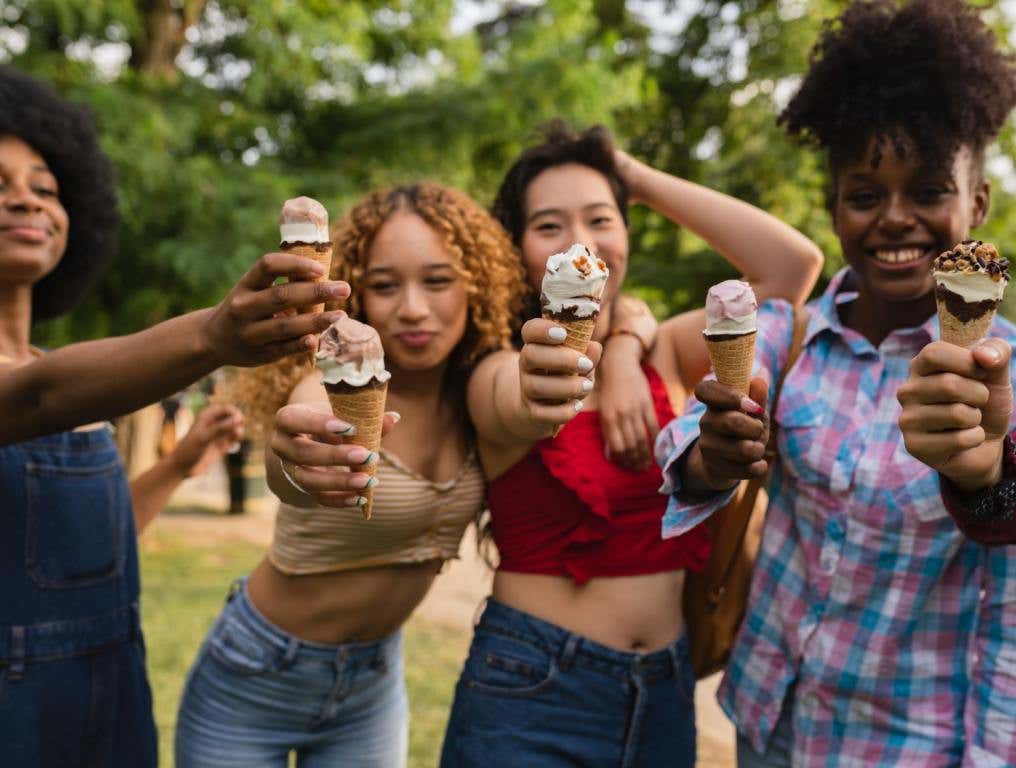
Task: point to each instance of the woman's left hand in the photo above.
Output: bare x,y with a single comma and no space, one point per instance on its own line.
627,412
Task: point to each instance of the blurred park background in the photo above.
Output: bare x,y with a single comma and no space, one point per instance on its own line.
215,111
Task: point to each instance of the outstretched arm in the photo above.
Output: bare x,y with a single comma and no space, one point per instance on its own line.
518,398
97,380
216,428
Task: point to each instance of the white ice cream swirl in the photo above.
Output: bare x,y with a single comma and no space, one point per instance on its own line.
350,352
574,282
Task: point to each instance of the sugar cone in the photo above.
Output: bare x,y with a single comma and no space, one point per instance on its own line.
960,333
323,257
732,359
580,331
364,408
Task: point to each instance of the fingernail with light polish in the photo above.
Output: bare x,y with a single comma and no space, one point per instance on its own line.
584,365
358,455
340,427
587,385
557,333
356,501
578,405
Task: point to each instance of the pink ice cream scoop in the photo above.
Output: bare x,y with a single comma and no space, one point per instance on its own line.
730,308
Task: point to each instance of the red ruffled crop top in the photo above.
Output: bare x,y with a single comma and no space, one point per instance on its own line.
567,510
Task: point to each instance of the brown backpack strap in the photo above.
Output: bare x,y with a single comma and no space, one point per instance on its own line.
755,484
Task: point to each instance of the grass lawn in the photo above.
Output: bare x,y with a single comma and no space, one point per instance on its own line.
183,589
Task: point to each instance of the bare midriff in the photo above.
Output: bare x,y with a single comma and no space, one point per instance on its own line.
341,607
636,614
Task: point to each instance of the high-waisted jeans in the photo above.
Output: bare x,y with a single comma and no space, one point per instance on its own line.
534,694
255,693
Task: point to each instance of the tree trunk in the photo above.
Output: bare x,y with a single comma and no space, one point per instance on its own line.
165,34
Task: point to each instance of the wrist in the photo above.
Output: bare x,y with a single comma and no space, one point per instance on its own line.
967,484
627,341
206,348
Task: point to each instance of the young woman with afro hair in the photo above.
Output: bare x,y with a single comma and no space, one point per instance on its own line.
73,689
876,633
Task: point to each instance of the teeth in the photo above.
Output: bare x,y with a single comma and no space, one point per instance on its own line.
900,256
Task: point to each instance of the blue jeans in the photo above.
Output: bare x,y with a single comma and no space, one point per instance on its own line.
533,694
73,690
255,693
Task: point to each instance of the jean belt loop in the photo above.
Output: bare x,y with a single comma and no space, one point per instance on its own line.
16,670
568,651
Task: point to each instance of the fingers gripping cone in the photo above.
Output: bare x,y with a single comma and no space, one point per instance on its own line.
730,332
970,280
364,408
352,364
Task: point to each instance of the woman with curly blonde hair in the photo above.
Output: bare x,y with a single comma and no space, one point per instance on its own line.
306,655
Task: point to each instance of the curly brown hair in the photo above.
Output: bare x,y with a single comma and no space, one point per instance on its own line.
481,253
930,72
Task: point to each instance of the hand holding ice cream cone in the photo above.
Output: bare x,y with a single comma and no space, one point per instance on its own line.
969,282
730,332
571,291
351,360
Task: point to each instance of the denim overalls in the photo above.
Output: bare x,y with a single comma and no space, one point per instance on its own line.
73,690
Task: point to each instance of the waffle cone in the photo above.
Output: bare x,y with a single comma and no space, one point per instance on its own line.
580,331
960,333
364,408
324,258
732,360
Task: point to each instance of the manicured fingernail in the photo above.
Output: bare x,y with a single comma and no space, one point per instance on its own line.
578,405
340,428
989,351
359,455
371,482
587,385
557,333
396,416
337,290
584,365
356,501
750,406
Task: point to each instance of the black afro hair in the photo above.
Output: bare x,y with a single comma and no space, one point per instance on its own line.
927,72
64,135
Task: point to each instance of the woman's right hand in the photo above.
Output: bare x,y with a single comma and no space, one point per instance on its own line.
555,379
732,440
308,442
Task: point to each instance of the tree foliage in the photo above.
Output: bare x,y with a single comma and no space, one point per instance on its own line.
214,111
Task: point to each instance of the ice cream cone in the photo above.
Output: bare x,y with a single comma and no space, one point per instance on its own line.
970,280
364,408
732,357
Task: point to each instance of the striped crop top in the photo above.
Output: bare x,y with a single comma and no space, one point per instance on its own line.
414,520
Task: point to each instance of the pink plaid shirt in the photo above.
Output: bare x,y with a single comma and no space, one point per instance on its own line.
894,633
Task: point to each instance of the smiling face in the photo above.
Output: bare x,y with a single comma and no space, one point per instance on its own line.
33,222
893,219
413,296
568,204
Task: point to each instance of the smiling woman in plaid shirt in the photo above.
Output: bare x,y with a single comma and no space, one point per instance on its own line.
877,633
